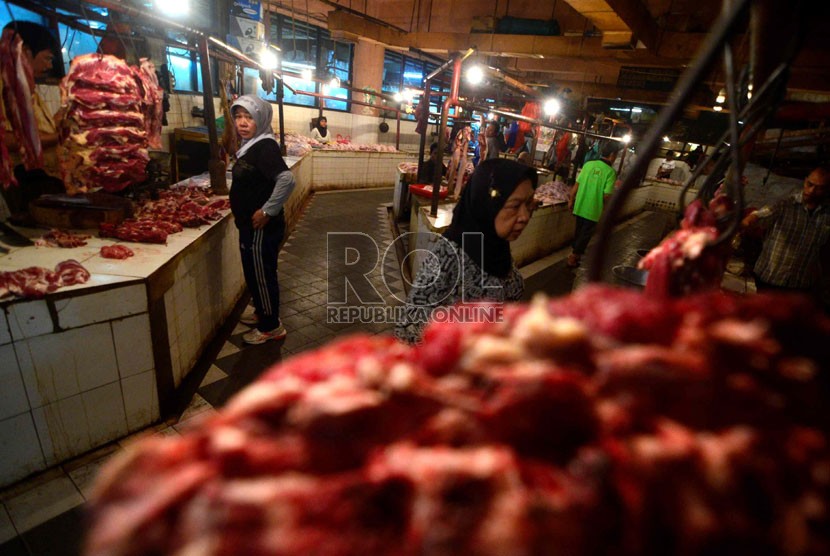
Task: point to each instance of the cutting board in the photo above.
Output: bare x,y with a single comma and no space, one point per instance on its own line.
83,211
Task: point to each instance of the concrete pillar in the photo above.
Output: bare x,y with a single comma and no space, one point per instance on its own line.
368,73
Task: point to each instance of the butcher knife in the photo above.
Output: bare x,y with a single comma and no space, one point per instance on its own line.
12,237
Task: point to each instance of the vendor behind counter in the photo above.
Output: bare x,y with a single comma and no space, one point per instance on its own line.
42,50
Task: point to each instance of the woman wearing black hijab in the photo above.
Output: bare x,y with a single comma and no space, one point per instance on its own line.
320,131
471,261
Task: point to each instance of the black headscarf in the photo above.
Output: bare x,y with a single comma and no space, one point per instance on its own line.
323,131
491,184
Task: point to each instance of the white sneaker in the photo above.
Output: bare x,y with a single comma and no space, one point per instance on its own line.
249,316
255,337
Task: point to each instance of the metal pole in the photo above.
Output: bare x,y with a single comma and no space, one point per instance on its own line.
448,63
452,100
423,141
398,133
280,96
216,166
710,49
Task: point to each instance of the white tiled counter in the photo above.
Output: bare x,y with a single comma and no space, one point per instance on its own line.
94,362
353,170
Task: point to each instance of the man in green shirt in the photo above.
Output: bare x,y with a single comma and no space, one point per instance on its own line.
593,185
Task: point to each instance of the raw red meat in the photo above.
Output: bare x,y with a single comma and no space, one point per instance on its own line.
141,231
18,85
116,252
62,238
152,99
35,282
688,261
113,113
571,427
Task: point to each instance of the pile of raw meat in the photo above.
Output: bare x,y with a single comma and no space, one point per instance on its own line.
552,193
299,145
35,282
605,422
17,83
153,221
62,238
113,113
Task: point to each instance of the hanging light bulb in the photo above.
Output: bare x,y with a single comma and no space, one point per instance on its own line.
398,97
408,95
306,74
666,139
626,138
334,83
749,91
268,59
552,107
475,75
717,108
721,97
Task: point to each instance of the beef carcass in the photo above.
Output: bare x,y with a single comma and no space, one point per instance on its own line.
570,426
18,85
116,252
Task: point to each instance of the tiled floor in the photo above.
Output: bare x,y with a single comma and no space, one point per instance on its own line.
44,516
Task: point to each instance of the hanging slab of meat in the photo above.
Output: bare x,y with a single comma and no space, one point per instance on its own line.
108,103
151,101
632,426
100,72
687,261
116,252
18,87
35,282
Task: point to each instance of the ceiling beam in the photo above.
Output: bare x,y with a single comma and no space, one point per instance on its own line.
537,52
622,22
637,17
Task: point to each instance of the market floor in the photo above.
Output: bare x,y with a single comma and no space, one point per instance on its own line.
340,238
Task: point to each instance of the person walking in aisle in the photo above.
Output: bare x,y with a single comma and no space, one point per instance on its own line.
261,185
587,199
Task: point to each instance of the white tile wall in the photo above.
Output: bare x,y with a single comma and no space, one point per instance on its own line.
102,306
140,400
20,448
133,345
13,400
29,319
105,414
62,429
57,366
